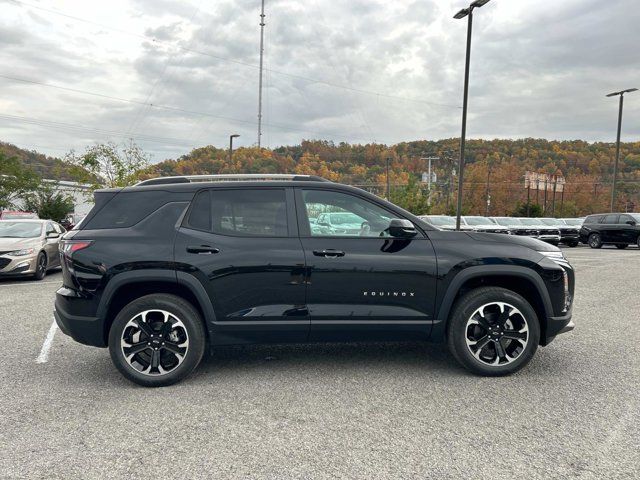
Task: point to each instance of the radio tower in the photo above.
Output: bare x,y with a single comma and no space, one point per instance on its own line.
260,82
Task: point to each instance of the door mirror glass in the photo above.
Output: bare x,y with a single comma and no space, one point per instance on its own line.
401,228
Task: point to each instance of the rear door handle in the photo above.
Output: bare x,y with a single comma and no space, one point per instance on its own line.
331,253
203,249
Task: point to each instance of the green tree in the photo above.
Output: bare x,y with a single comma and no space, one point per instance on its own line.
49,203
411,197
108,165
534,210
15,181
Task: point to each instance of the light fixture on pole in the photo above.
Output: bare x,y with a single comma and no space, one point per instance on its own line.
465,12
615,165
231,137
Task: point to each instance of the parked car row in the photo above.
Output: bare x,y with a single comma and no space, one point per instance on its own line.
619,229
550,230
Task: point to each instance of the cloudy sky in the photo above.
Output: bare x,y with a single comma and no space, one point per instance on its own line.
177,74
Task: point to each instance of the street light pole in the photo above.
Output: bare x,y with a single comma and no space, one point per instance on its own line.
231,137
615,165
465,12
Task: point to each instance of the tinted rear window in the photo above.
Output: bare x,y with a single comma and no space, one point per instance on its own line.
126,209
246,212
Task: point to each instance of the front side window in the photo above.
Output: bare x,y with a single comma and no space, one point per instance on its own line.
610,219
626,218
242,212
343,215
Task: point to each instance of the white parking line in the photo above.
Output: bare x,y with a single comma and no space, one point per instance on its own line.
46,346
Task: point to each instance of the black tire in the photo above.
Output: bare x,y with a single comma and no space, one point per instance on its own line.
191,329
595,241
574,244
41,267
638,241
622,246
458,331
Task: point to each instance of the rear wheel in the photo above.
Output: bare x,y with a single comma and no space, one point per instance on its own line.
573,244
493,331
157,340
595,241
41,267
622,246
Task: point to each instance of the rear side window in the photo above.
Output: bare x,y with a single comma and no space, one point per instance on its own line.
610,219
126,209
246,212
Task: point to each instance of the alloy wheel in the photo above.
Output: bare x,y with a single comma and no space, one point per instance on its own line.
154,342
42,265
497,333
594,240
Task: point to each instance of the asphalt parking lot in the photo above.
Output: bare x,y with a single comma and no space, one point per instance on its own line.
331,411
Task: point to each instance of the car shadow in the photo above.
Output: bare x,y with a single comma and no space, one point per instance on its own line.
417,356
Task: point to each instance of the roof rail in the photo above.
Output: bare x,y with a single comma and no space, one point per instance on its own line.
231,177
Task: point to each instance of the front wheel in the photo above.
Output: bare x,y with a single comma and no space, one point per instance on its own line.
41,267
157,340
595,241
573,244
493,331
622,246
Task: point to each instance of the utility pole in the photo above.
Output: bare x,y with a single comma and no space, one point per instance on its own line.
262,24
488,199
429,159
553,202
388,185
231,137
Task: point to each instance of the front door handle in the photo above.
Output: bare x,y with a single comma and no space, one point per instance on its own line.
203,249
330,252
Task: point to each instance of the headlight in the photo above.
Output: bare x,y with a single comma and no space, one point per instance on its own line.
21,253
557,257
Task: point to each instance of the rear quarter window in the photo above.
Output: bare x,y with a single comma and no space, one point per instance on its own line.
127,208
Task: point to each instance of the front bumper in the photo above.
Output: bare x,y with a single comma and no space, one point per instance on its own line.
17,266
556,326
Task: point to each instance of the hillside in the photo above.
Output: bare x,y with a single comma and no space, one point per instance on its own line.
43,165
587,168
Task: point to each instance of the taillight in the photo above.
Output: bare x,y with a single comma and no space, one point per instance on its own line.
68,247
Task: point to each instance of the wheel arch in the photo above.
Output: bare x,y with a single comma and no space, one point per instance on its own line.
126,287
521,280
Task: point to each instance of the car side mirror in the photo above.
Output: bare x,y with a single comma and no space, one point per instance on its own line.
631,222
53,235
401,228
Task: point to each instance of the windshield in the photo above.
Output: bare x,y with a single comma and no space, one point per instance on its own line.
551,221
636,216
20,229
441,221
478,221
345,218
507,221
573,221
17,215
530,221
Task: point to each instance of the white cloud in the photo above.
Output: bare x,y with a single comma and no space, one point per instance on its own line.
539,69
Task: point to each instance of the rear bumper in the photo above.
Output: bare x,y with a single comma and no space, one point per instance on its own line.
84,329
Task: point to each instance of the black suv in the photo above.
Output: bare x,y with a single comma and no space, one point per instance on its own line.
619,229
164,270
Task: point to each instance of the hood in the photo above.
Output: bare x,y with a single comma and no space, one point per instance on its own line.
532,243
10,244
